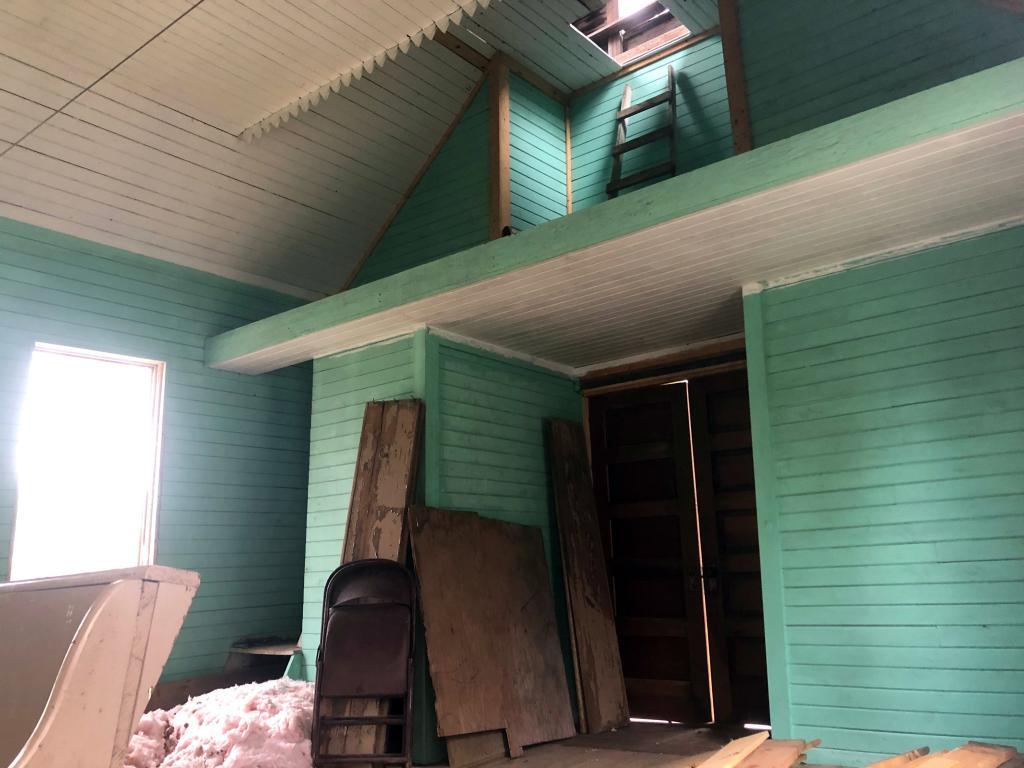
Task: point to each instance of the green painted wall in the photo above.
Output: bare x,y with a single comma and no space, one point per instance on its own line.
536,155
449,210
703,128
342,385
235,447
888,413
809,62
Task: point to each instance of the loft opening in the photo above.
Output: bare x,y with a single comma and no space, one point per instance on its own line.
628,29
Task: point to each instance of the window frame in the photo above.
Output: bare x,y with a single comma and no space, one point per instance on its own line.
146,551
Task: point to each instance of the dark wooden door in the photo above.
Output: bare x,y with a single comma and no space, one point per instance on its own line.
645,494
724,467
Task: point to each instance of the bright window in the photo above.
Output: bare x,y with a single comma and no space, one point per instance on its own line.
87,463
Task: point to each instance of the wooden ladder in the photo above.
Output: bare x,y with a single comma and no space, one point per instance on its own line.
622,145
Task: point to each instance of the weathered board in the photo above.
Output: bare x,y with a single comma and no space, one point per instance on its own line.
776,753
602,689
492,643
385,480
383,486
733,753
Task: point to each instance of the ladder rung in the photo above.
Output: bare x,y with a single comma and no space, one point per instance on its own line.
642,106
647,138
665,169
369,720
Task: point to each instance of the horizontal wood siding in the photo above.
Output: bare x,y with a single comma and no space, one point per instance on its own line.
235,447
703,128
895,442
808,63
448,211
342,385
536,155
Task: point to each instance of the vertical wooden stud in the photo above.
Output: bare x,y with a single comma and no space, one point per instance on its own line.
735,83
568,159
500,129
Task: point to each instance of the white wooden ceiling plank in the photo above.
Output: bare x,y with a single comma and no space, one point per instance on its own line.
52,60
340,152
115,23
104,236
18,116
57,202
75,141
95,111
583,60
509,40
349,38
208,219
393,123
200,83
446,60
46,27
415,91
160,74
473,40
309,58
35,84
439,68
163,12
296,150
77,190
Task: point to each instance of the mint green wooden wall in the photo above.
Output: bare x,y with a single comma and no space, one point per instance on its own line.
233,471
888,412
809,62
703,127
449,210
536,155
342,385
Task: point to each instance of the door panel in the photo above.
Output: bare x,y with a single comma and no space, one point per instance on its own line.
720,421
644,488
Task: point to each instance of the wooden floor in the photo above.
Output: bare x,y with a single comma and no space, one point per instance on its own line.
640,745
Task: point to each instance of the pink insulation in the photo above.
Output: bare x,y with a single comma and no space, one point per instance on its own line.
261,725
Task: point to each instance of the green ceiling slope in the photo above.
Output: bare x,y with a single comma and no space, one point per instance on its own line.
971,100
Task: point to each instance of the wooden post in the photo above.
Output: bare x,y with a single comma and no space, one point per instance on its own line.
735,83
568,159
501,186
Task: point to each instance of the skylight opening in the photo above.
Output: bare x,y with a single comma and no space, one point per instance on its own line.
87,463
627,30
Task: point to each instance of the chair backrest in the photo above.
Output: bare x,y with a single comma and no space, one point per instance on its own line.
367,634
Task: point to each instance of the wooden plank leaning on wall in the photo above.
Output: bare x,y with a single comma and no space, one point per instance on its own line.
600,685
383,487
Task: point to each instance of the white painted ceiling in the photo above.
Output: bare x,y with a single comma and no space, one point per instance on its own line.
120,120
680,282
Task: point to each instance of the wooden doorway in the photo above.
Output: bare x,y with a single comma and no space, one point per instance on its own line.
673,476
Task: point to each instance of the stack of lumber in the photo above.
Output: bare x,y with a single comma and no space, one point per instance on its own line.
973,754
757,751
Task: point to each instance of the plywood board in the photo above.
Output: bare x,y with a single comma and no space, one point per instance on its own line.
492,643
602,690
